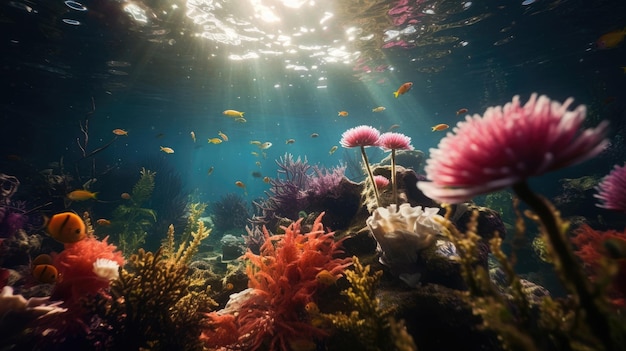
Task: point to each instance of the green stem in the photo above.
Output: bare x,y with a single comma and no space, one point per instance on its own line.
370,174
394,186
569,268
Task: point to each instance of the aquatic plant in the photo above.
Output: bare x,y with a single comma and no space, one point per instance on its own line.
490,153
230,212
363,136
368,324
152,304
393,142
283,278
612,190
132,221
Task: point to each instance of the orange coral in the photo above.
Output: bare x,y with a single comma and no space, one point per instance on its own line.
282,279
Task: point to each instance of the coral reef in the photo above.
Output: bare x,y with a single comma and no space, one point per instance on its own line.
283,280
230,212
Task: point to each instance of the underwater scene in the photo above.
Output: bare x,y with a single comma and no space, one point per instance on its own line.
307,175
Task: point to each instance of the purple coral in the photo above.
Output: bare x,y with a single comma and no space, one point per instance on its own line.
612,190
326,182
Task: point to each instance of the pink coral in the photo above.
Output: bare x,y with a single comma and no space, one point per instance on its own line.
360,136
381,181
507,145
395,141
76,268
612,190
282,279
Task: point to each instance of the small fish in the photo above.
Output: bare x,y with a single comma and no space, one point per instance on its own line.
324,277
167,150
81,195
233,113
342,114
241,120
160,135
255,142
379,109
290,141
256,174
193,136
611,39
312,308
265,145
120,132
440,127
215,141
258,163
222,135
403,89
266,180
103,222
393,127
461,111
332,150
41,259
210,171
254,153
45,273
125,196
229,286
66,227
241,184
314,135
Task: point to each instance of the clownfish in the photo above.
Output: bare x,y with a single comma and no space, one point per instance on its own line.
66,227
41,259
45,273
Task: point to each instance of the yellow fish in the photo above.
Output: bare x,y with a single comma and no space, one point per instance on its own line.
81,195
611,39
103,222
379,109
241,184
222,135
265,145
332,150
167,150
342,114
120,132
266,179
193,136
215,141
233,113
324,277
254,153
440,127
255,142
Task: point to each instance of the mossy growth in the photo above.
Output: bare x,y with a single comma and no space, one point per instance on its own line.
368,324
154,304
132,221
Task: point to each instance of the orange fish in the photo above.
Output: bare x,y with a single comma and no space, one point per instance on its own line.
403,89
233,113
342,114
461,111
440,127
324,277
81,195
611,39
66,227
103,222
125,196
45,273
120,132
312,308
167,150
222,135
240,184
41,259
266,179
229,286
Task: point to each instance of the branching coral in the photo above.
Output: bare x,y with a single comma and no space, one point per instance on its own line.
231,211
283,278
326,182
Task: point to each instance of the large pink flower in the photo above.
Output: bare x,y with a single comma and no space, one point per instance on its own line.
360,136
507,145
396,141
612,190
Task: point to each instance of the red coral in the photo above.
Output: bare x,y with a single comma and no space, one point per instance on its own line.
75,266
283,279
591,250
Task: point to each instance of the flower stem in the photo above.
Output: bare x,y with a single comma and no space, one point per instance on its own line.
370,174
565,262
394,186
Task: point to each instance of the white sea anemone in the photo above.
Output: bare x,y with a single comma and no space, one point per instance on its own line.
106,269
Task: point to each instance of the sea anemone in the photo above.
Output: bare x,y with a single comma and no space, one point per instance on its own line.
380,181
362,137
393,142
489,153
612,190
106,269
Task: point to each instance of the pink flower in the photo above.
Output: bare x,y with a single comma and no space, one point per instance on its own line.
380,181
360,136
507,145
396,141
612,190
